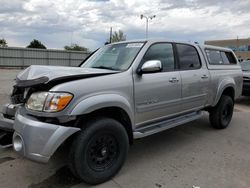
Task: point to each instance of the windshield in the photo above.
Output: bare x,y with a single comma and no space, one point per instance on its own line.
245,65
114,56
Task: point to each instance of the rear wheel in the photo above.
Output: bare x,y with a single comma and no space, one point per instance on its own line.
220,116
99,150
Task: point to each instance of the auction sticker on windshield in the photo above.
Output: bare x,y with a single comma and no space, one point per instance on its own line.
134,45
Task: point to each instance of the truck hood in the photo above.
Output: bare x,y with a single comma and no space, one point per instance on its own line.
37,75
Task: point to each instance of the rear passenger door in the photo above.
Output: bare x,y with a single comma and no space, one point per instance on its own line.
195,78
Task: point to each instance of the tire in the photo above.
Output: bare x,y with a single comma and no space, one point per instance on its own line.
99,150
220,116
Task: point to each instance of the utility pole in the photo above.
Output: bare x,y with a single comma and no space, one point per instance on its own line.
71,38
147,18
110,35
238,48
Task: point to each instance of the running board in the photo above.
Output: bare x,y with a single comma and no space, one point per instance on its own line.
164,125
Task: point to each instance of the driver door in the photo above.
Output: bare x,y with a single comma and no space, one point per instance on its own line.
157,95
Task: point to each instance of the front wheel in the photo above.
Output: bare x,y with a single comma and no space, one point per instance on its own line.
99,151
220,116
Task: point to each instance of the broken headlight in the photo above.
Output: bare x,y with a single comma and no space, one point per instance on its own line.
48,101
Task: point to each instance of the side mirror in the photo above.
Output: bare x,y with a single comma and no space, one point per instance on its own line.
151,67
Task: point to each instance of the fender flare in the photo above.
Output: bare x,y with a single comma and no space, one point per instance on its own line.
226,83
100,101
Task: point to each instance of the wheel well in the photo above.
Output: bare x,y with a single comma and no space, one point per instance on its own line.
116,113
229,91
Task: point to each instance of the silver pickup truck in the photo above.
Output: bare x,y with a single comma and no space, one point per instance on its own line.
123,91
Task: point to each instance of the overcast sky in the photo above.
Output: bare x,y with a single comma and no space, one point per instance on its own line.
57,23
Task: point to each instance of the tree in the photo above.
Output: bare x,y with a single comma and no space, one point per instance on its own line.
76,47
3,43
36,44
118,36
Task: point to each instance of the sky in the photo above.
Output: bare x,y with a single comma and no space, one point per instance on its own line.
57,23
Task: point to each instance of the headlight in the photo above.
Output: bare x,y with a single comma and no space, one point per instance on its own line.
36,101
56,102
48,101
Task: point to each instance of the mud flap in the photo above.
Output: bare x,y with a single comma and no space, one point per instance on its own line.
6,139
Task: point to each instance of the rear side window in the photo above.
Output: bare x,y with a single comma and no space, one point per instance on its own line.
224,58
230,57
188,57
216,57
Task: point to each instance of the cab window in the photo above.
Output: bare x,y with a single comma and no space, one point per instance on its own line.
162,52
188,57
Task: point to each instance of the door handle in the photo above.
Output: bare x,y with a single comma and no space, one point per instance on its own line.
173,80
204,76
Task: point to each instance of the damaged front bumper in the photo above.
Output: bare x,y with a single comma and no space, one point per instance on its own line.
7,117
6,131
6,125
37,140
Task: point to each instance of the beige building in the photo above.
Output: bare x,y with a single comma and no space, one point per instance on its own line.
241,47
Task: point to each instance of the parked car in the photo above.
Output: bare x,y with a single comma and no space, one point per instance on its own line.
124,91
245,65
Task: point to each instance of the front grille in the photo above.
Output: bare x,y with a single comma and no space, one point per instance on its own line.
17,99
17,96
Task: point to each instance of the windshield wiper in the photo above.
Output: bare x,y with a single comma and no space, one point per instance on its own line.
104,67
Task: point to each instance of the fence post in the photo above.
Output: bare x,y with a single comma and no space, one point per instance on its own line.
69,59
22,56
47,56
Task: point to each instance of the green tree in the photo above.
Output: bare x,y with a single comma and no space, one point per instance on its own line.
3,43
118,36
76,47
36,44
